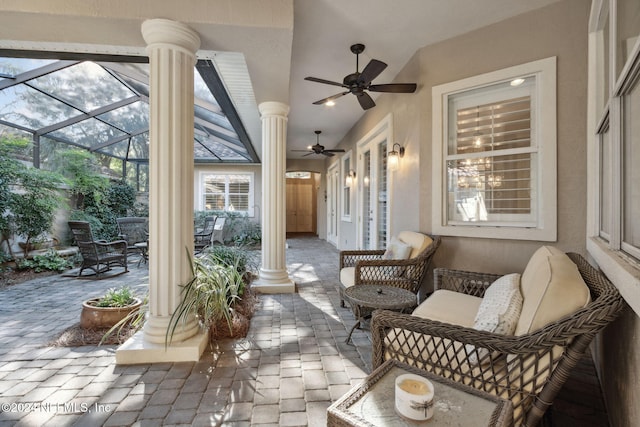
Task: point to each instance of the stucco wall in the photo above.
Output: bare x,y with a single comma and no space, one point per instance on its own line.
619,353
558,30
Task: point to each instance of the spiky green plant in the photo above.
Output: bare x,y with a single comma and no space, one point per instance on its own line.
210,295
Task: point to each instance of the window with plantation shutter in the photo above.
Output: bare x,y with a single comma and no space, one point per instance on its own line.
227,192
492,136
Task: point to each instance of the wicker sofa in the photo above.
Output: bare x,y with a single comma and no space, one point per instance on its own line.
528,367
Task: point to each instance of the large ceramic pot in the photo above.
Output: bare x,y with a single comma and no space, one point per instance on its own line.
93,317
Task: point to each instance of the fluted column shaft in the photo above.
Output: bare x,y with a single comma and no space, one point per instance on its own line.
273,276
171,47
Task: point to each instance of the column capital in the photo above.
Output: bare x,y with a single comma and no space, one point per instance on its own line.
273,108
166,31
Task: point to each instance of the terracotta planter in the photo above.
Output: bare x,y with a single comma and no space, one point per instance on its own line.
93,317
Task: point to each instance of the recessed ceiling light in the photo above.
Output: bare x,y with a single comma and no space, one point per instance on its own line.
330,103
517,82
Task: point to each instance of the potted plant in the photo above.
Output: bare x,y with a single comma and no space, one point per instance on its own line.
110,309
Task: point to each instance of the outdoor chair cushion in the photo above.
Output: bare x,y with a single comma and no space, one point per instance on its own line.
417,241
347,276
449,307
551,288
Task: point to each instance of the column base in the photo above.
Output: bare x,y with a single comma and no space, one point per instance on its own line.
264,286
137,350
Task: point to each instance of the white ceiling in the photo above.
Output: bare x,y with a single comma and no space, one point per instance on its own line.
281,41
392,32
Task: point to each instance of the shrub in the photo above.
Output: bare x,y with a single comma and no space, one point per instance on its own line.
50,260
232,256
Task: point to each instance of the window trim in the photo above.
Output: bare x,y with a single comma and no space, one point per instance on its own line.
619,266
543,135
251,208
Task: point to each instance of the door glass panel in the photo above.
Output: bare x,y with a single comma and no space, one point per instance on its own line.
367,212
631,177
605,185
382,195
628,27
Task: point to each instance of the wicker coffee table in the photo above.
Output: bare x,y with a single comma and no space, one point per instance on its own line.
372,403
366,298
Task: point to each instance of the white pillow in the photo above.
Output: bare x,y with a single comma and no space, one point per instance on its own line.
397,249
499,311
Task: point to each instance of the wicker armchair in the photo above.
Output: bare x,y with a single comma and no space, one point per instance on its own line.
528,369
98,255
367,267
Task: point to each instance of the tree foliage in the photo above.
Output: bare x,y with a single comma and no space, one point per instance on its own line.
29,196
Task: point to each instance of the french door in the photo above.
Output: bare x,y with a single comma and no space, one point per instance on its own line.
373,208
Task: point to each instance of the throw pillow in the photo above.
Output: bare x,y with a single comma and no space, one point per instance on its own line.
498,312
396,249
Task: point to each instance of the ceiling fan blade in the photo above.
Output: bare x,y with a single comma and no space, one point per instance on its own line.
302,151
335,150
371,71
308,154
327,82
394,87
328,154
365,101
331,98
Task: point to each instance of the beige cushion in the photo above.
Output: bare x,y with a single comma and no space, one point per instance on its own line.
498,312
449,307
347,276
552,288
417,241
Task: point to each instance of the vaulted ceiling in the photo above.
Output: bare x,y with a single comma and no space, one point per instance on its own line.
263,49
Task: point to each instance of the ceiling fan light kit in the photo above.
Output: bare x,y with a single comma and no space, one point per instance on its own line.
359,83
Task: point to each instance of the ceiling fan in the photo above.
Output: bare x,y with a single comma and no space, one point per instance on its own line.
319,149
357,83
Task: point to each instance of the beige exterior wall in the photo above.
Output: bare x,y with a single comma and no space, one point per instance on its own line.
558,30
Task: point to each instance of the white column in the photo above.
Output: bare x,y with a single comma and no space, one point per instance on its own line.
273,276
171,47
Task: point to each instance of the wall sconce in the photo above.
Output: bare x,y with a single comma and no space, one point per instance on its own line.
351,176
393,159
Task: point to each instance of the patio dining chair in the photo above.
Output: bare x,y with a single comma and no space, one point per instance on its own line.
98,255
134,230
202,237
